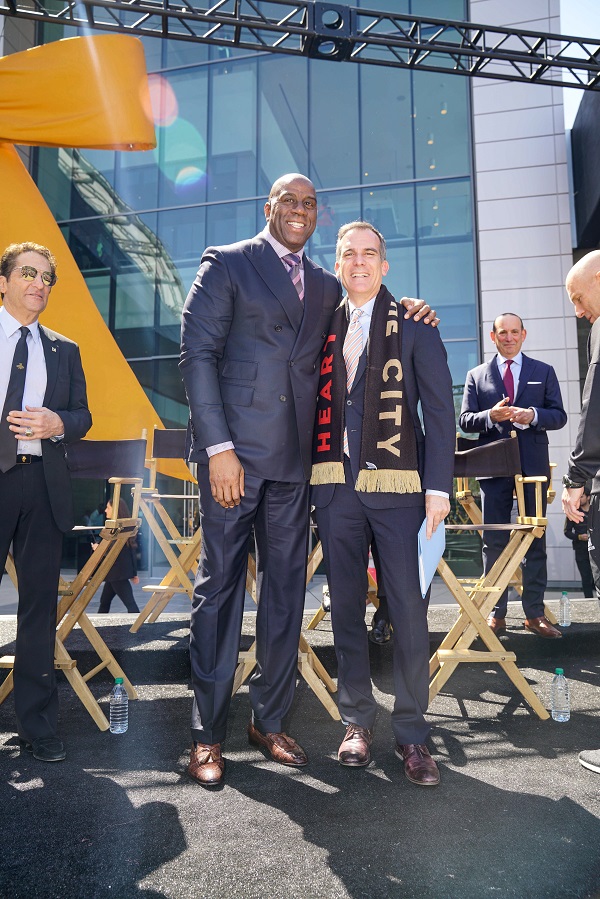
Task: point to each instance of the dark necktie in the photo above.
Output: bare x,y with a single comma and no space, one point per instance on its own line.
509,382
13,402
293,266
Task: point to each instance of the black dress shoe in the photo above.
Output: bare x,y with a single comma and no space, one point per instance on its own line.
380,632
45,749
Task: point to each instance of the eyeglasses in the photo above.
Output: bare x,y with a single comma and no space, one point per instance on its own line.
29,273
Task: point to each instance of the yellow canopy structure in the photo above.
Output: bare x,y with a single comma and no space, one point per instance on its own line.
85,92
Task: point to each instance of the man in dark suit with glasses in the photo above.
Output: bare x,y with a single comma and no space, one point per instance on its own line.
44,406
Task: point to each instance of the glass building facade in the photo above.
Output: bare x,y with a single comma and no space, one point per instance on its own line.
382,144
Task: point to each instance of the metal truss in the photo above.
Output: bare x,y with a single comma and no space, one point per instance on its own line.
339,33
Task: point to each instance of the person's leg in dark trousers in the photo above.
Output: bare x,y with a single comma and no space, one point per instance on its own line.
281,532
124,591
496,508
582,561
534,565
395,532
37,548
218,605
106,597
594,540
380,623
346,535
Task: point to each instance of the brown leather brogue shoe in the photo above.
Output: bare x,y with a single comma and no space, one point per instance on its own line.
354,749
281,748
207,765
543,628
497,625
419,767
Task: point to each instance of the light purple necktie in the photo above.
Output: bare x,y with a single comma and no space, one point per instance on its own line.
352,349
293,265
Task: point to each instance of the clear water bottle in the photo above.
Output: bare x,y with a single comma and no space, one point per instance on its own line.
561,698
119,708
564,610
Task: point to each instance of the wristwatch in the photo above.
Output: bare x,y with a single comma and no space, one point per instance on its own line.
571,485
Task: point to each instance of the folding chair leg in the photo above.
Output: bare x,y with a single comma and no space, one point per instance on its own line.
245,667
521,684
316,619
7,686
81,688
107,658
305,666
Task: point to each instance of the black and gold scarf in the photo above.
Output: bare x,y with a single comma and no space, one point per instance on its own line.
388,450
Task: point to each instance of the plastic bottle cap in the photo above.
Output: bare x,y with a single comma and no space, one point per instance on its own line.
559,671
118,680
564,593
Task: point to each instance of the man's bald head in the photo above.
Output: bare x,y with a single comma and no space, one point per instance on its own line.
583,286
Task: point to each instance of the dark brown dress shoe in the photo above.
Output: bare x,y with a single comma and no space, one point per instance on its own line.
543,628
281,748
207,765
419,767
497,625
354,749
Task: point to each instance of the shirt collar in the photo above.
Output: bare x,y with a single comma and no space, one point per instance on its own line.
279,247
10,325
518,359
367,308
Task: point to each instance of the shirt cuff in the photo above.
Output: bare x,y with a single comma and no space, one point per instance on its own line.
219,448
437,493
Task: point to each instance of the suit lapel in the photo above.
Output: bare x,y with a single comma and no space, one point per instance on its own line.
527,367
313,298
52,356
494,375
264,259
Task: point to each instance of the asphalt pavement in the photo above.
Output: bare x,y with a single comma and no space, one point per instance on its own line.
515,814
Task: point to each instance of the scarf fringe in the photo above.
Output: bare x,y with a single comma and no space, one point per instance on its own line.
387,480
328,473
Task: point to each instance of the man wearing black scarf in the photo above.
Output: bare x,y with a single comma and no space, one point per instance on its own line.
378,472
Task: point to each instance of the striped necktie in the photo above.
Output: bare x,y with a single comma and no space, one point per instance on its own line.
353,347
293,265
13,401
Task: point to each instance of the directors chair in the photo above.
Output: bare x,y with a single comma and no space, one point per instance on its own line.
121,462
180,551
476,597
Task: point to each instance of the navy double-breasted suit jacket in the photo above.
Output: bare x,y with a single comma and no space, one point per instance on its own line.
538,388
250,358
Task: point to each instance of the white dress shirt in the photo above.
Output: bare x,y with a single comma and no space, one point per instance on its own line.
35,376
517,364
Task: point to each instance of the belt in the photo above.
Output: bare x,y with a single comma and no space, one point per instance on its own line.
27,459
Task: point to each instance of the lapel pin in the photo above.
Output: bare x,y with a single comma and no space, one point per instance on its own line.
53,349
20,365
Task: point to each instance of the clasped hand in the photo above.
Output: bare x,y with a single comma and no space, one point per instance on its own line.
503,412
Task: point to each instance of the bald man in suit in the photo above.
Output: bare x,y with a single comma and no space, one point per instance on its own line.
253,326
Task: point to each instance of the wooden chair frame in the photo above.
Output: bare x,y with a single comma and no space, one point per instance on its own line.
76,595
477,597
181,552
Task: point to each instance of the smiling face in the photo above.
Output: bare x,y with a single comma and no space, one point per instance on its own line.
25,300
291,211
508,335
360,266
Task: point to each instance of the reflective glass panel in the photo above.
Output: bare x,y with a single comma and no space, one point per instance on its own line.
232,168
333,111
282,117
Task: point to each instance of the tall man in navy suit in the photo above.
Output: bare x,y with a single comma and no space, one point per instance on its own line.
514,392
377,473
253,326
44,406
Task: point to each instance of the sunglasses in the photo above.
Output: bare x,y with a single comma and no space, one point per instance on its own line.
28,273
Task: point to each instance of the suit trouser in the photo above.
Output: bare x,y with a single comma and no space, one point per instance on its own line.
123,590
497,503
594,539
27,522
279,513
346,528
